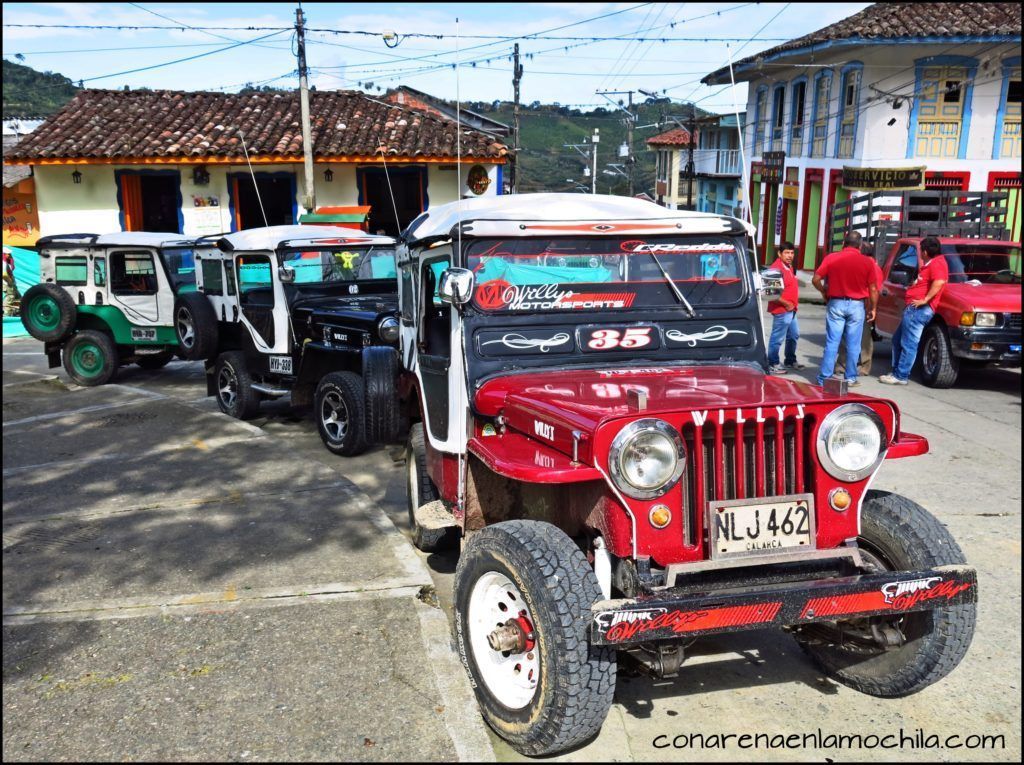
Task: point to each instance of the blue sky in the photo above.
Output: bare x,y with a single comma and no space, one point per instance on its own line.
366,62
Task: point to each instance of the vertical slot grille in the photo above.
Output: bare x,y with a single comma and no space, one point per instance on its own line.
745,460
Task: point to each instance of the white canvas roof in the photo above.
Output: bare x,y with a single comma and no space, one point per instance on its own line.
142,239
271,237
592,212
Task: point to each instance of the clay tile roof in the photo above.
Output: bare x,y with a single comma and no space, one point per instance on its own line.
113,124
901,21
674,137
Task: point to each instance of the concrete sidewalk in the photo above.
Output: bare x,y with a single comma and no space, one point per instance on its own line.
178,585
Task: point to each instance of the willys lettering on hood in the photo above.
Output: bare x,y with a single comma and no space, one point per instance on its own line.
550,405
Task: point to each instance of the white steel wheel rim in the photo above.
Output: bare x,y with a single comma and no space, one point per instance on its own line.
227,385
512,678
414,481
334,416
185,330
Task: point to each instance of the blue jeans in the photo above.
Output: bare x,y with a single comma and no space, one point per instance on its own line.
784,327
844,321
906,339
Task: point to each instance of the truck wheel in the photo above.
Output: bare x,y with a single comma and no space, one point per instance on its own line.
380,380
155,360
235,395
939,367
421,490
338,408
523,592
195,324
90,358
48,313
898,534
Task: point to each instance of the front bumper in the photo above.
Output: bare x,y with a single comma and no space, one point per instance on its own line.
996,345
674,613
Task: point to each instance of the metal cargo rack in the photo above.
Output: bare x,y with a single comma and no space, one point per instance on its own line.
883,217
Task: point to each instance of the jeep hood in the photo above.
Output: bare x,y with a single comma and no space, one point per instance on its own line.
584,399
997,298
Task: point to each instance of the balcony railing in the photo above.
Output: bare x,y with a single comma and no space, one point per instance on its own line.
716,161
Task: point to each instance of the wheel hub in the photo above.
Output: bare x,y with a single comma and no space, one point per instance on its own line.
516,635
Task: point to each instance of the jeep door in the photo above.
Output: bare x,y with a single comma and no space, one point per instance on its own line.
437,356
261,300
215,278
891,299
139,287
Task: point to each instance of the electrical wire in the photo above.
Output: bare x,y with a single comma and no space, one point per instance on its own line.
189,26
178,61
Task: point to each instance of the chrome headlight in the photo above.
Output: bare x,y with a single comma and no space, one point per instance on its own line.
851,442
986,319
646,458
388,329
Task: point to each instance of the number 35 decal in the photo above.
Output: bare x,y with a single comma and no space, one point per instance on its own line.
621,339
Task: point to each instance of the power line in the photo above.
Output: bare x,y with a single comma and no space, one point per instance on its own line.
189,26
176,61
745,44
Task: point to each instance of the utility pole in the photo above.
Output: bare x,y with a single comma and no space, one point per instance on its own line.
689,161
307,139
594,140
630,123
630,161
517,75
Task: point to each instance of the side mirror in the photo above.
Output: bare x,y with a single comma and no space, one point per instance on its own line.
456,287
902,278
286,274
769,282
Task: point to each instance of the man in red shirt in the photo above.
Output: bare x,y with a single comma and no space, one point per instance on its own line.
783,311
867,340
845,279
922,300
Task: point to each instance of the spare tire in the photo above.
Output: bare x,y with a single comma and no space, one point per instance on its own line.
48,313
380,382
195,325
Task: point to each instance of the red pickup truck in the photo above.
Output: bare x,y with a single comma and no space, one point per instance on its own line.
978,318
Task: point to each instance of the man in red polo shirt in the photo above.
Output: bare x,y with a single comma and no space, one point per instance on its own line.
845,279
922,301
783,310
867,342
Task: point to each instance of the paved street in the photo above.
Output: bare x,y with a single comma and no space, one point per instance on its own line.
181,585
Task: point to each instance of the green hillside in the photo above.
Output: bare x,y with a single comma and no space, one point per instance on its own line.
28,93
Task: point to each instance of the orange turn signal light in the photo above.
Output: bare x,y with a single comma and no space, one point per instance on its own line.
840,499
660,516
967,319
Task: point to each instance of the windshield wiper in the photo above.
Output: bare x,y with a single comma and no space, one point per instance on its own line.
675,289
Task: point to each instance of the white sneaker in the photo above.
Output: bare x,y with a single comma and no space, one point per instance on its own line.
891,380
777,370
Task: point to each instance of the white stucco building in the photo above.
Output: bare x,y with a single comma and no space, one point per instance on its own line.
170,161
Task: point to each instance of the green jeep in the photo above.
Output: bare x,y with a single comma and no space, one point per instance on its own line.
112,299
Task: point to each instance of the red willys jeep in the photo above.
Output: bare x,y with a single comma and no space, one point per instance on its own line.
593,418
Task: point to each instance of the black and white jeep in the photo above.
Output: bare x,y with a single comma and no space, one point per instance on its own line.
308,312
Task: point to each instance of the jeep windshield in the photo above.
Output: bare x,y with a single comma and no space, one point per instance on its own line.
181,266
617,273
985,263
330,265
